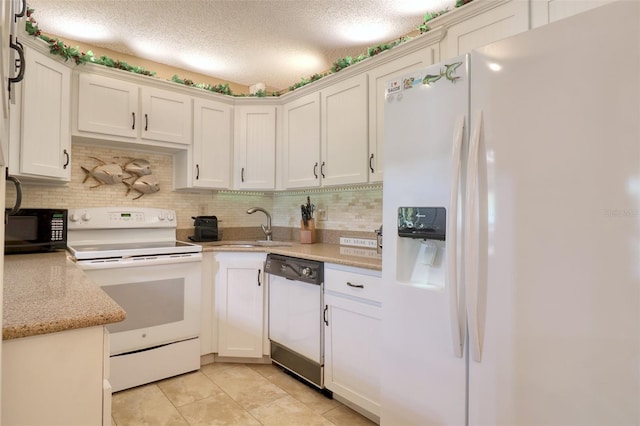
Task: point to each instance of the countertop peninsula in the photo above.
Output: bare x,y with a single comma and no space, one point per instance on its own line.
46,293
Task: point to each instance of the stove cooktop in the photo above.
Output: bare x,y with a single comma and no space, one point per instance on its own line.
144,248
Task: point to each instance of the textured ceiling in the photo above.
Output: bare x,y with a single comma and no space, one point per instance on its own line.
277,42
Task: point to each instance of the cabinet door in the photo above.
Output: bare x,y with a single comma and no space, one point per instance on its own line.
166,116
344,132
108,106
211,144
504,20
239,293
546,11
301,139
378,78
255,147
45,146
352,351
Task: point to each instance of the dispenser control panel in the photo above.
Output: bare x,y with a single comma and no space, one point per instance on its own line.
427,223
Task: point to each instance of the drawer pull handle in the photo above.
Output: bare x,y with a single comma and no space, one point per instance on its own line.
355,285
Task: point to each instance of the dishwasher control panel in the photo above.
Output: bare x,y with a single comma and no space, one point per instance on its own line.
293,268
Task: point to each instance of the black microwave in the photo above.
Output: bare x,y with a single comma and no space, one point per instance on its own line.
35,230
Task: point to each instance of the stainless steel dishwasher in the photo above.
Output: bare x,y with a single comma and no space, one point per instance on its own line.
296,316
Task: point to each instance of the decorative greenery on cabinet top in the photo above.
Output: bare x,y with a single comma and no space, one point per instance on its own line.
58,47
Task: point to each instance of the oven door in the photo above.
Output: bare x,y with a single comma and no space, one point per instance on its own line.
160,294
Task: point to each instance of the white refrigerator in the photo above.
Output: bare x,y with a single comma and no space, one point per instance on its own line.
528,313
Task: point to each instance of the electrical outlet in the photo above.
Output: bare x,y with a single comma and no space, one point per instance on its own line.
323,214
358,242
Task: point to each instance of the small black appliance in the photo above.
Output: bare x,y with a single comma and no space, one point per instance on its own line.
205,229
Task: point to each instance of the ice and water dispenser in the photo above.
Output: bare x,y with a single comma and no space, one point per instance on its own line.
421,248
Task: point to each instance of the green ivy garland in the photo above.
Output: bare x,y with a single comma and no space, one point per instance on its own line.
58,47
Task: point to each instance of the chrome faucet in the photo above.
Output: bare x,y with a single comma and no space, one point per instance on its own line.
265,229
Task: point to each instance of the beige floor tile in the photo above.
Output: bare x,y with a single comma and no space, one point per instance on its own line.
288,411
266,370
188,388
302,392
145,405
217,410
245,386
345,416
215,367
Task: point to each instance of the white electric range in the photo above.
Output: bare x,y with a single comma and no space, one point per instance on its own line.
133,254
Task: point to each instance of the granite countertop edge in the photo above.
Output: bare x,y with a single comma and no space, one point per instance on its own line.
328,253
47,293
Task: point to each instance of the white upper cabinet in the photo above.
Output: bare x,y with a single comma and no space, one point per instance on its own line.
108,106
40,146
166,116
482,22
546,11
301,140
378,78
254,147
344,132
113,109
208,164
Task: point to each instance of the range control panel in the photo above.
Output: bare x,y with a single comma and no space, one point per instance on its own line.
121,217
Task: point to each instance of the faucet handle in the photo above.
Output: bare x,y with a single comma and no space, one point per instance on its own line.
267,232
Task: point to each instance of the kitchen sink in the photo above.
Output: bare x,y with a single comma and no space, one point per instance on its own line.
249,244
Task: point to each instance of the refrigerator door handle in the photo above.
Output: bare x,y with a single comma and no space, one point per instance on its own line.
471,244
452,239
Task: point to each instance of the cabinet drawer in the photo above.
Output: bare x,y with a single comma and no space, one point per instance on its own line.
356,282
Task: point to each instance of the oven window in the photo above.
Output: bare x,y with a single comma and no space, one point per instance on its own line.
148,304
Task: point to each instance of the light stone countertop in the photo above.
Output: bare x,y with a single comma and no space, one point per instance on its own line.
329,253
46,293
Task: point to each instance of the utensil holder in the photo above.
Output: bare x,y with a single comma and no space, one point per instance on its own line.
308,232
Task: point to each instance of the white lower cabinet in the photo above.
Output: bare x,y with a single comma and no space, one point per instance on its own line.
57,379
209,321
352,335
239,304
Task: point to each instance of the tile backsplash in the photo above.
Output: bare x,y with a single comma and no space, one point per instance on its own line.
355,209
